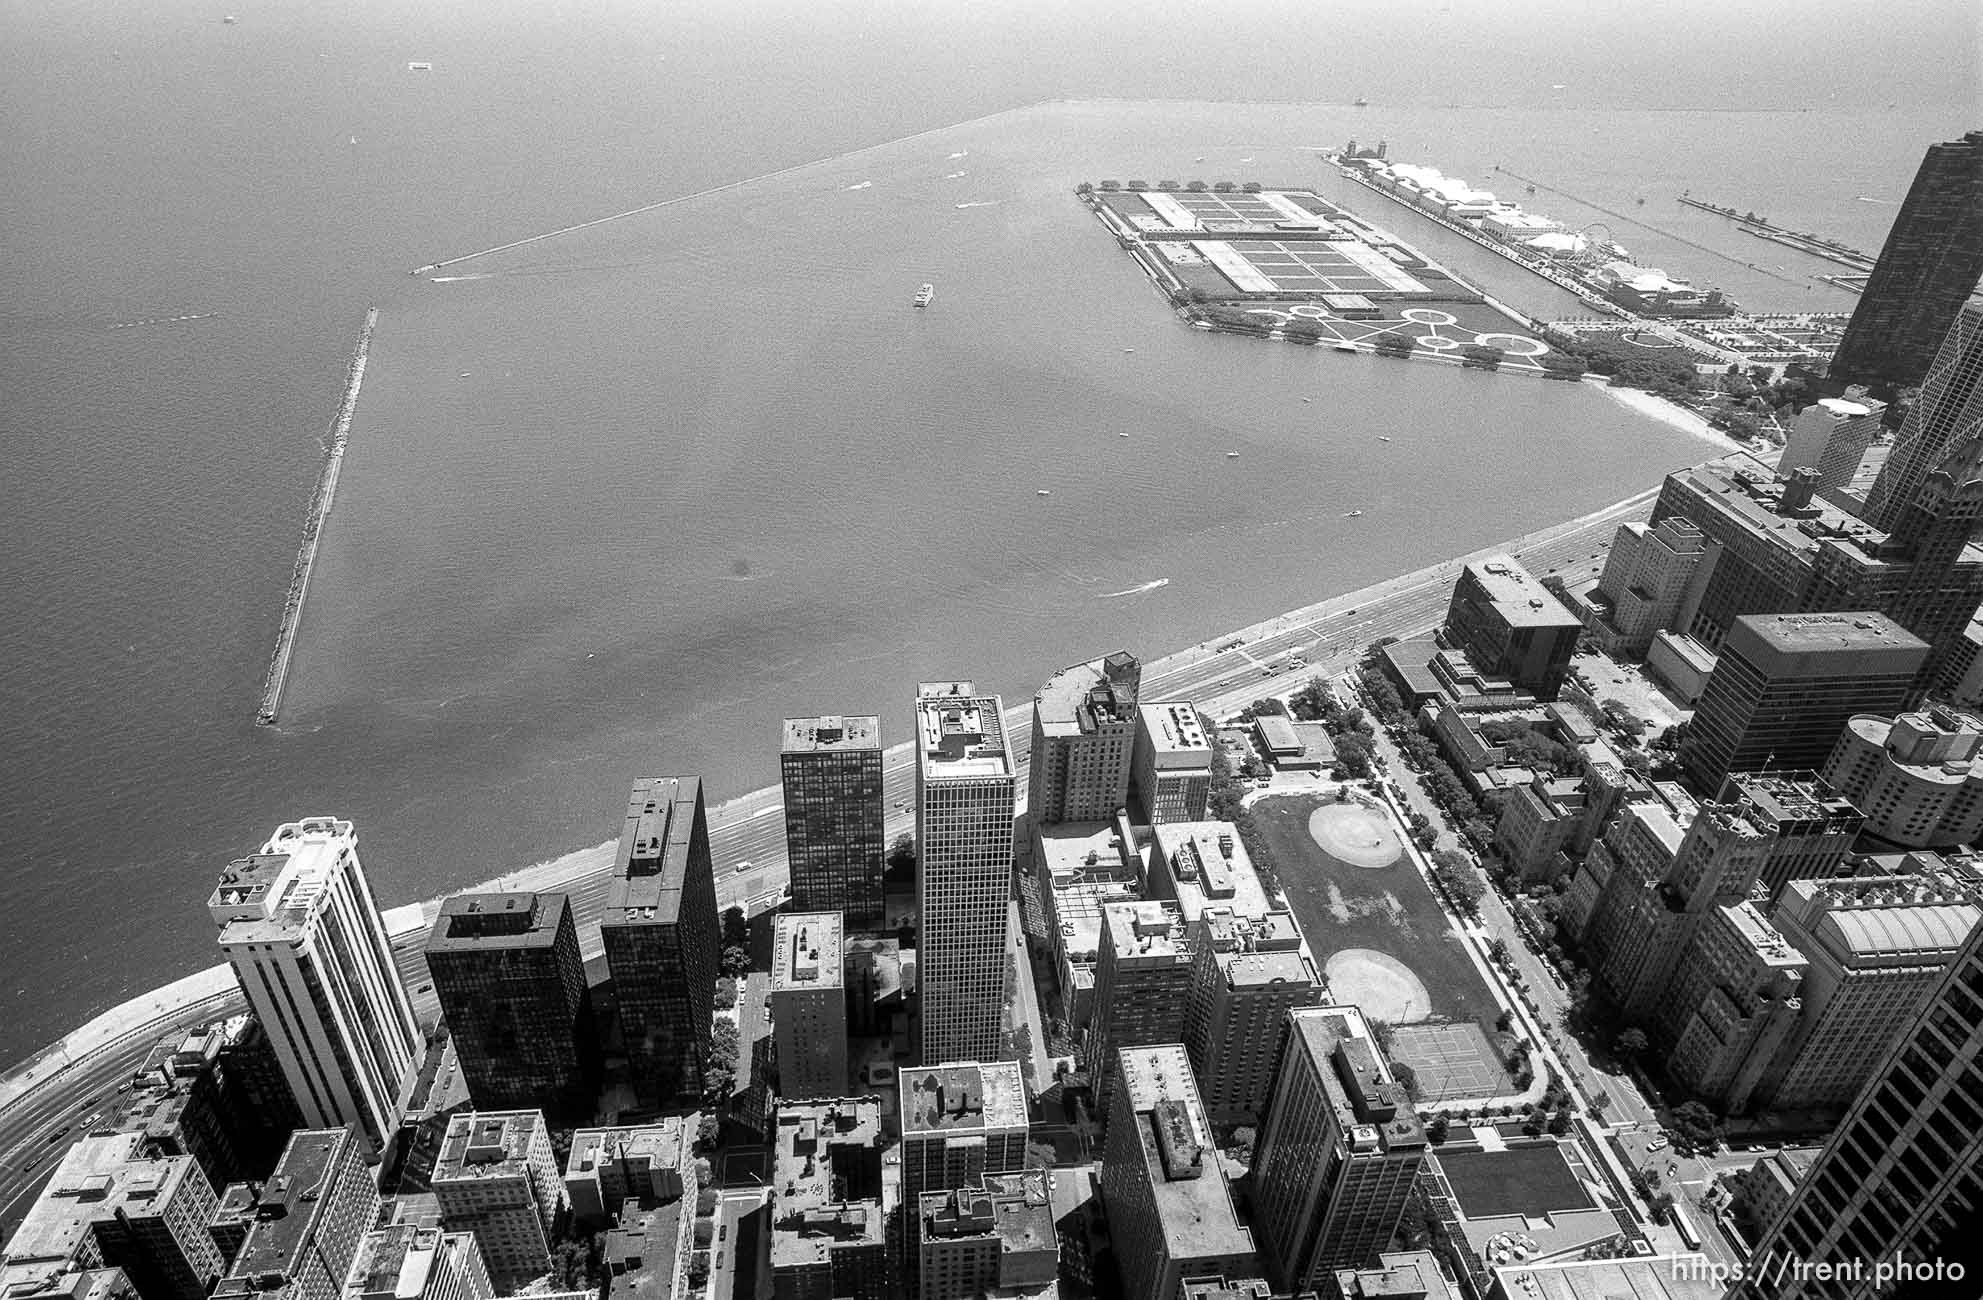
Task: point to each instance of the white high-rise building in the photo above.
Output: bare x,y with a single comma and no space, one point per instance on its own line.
299,925
964,809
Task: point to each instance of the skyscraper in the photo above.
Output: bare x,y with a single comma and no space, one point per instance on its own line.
1785,685
1171,1211
809,1005
1338,1152
1511,626
1948,413
1084,736
831,767
1930,264
1900,1183
964,808
298,923
511,984
660,933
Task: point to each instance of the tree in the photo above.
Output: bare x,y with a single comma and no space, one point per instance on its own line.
1222,187
1555,365
901,860
1559,1123
1139,185
1435,1129
736,961
1084,188
726,993
736,927
1506,1018
1694,1126
1302,331
1243,1139
1354,757
1109,187
1407,1078
1167,185
1630,1043
1196,187
1497,951
1040,1155
1459,878
1392,344
1478,356
1383,1031
1251,187
707,1130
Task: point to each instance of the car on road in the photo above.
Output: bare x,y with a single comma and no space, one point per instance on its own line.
93,1120
124,1086
59,1134
1659,1143
742,867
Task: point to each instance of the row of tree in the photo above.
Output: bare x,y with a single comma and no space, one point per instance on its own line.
1189,187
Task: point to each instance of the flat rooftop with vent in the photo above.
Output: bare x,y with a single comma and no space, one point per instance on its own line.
487,1144
831,731
286,1209
963,1098
1193,1202
98,1178
960,734
806,952
481,922
829,1189
653,860
1207,865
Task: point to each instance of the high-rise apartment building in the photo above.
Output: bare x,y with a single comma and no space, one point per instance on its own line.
809,1005
298,923
1731,1008
1170,771
1250,963
1927,269
996,1239
661,935
1084,735
184,1102
1511,626
834,842
107,1206
1645,576
1142,987
1900,1182
831,1202
1875,947
1831,436
408,1262
511,984
960,1122
1775,548
643,1163
305,1221
1785,685
965,789
1917,777
1810,827
1338,1152
1170,1210
497,1177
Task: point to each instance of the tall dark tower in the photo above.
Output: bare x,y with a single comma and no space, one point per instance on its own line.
834,839
1949,413
1929,266
660,933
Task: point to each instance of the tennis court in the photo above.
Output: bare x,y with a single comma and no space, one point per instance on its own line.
1452,1062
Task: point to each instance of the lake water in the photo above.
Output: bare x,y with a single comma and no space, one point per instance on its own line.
638,492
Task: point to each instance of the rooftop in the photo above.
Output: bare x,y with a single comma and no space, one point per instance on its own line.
1176,732
1078,699
1517,596
1787,800
271,895
1937,744
1822,635
1372,1109
397,1263
98,1178
962,1098
646,1249
1193,1203
287,1206
821,1199
1402,1275
1016,1209
651,870
1772,948
480,922
960,735
487,1144
806,952
1209,866
832,731
664,1140
1086,867
1149,931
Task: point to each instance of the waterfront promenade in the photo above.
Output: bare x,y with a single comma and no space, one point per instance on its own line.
41,1094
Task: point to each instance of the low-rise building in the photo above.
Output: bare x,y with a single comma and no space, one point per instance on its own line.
496,1176
995,1239
1511,626
1648,1277
108,1208
410,1262
647,1163
1399,1275
830,1202
1763,1189
647,1253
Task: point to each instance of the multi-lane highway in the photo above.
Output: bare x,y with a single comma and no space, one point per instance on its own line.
1220,675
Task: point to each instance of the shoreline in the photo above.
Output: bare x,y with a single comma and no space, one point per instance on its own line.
1673,416
568,870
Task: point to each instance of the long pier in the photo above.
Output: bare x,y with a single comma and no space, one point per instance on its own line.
313,528
1801,240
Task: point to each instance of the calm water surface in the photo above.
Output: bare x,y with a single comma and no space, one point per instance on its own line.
638,492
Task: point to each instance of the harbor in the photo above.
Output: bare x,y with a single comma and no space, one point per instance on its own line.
313,528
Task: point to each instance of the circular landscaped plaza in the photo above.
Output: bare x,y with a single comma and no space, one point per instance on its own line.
1354,834
1384,987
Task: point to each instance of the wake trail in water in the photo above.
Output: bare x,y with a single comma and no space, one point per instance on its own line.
160,320
983,203
1137,590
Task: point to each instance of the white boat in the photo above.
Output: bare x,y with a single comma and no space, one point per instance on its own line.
1232,455
924,294
1041,492
1382,438
419,67
1353,514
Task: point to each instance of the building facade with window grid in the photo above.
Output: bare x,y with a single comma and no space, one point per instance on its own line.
834,841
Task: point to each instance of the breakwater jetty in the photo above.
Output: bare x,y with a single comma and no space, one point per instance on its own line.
1802,240
313,528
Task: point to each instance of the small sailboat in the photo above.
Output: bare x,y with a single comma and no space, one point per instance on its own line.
1383,437
1232,455
1353,514
925,294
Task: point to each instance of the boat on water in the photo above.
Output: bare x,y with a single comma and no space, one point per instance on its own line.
1360,102
925,294
419,67
1353,514
1232,455
1041,492
1383,437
